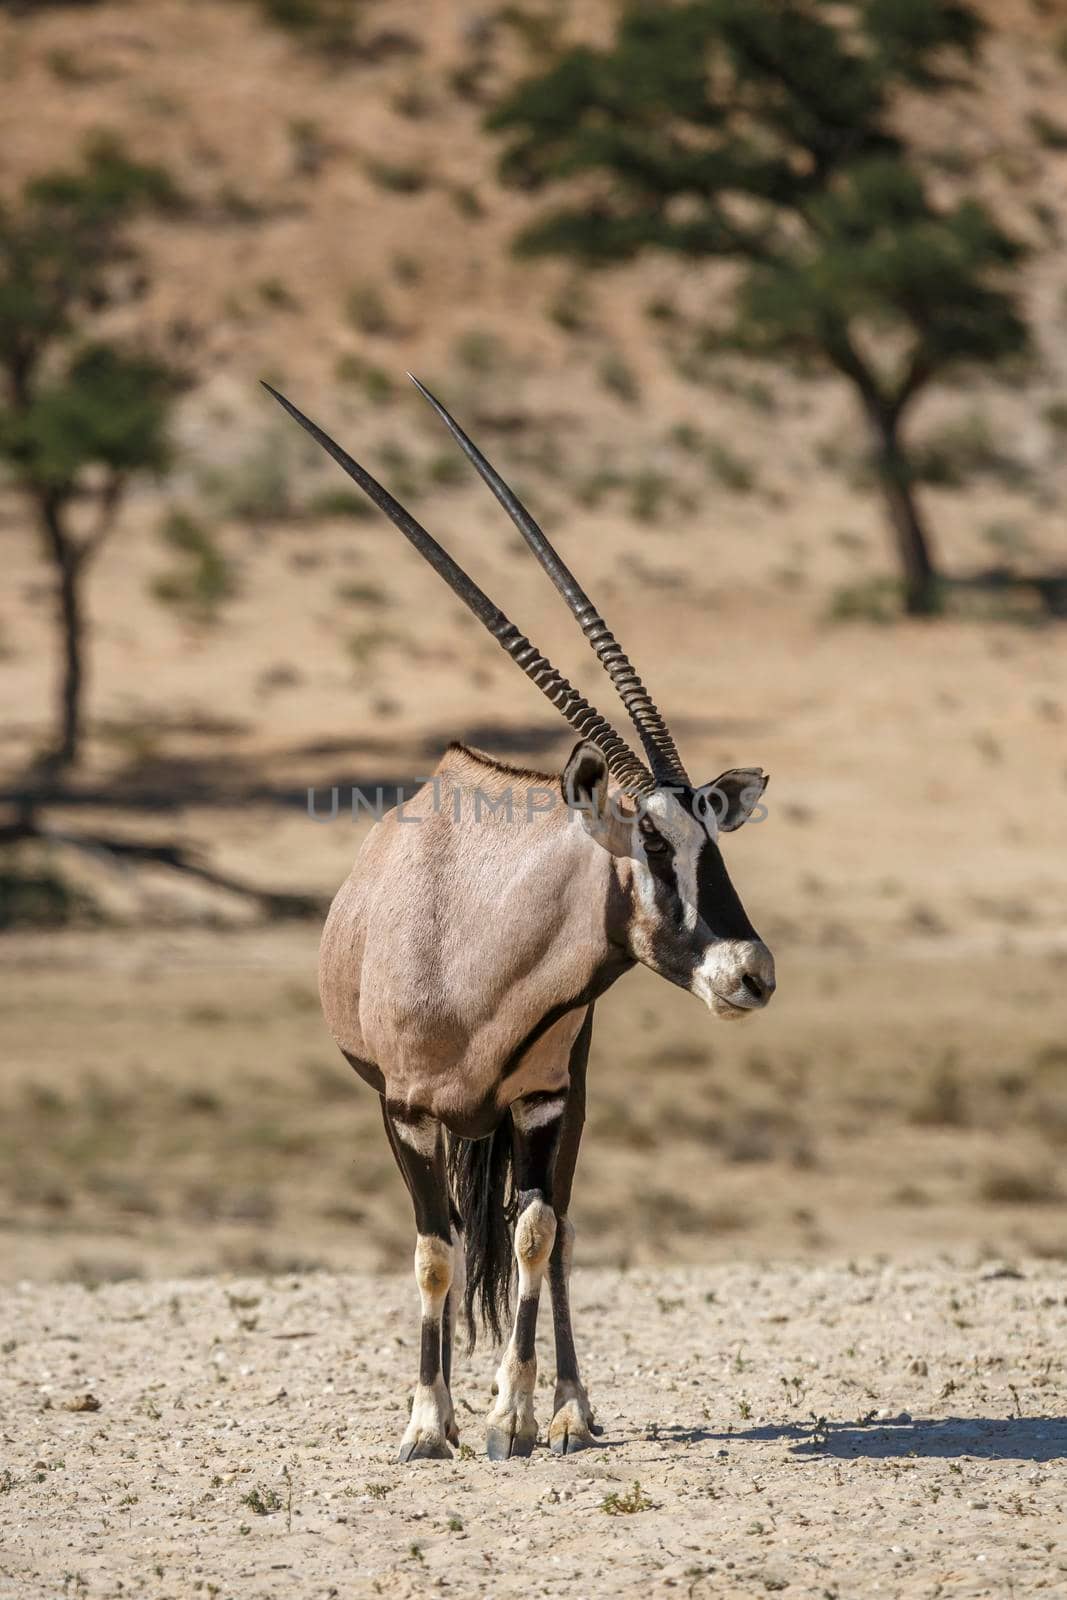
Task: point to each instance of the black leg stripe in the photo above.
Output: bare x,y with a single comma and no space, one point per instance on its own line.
525,1336
430,1351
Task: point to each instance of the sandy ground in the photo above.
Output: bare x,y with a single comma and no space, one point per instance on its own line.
837,1432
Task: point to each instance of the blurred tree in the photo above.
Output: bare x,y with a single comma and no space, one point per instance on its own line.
767,131
79,413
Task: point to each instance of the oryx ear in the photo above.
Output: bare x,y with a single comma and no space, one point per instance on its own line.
733,796
585,782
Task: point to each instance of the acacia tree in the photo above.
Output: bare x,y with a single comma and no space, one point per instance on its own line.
79,413
764,131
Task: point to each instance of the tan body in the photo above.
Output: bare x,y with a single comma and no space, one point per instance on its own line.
435,1008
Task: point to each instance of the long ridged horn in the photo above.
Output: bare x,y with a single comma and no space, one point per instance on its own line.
583,717
654,734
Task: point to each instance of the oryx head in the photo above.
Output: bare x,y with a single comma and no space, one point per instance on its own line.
685,919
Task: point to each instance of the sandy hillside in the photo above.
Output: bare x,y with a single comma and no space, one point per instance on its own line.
844,1432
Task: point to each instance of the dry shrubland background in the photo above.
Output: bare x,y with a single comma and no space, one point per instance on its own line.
168,1096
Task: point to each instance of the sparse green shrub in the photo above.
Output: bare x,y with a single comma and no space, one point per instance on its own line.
734,473
649,491
466,201
398,466
401,177
448,470
618,378
1018,1186
274,293
258,489
876,600
377,386
34,896
329,26
959,450
625,1505
1047,132
688,437
366,310
340,503
203,579
569,307
362,594
478,351
407,269
262,1501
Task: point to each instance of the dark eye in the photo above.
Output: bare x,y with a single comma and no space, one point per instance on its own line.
654,845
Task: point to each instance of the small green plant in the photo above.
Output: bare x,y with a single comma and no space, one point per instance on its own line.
625,1505
448,470
377,1491
262,1501
362,594
399,176
7,1481
967,448
618,378
415,1552
407,269
332,28
466,201
875,600
1048,132
203,579
744,1410
649,491
466,1452
377,386
730,470
478,351
366,310
340,503
366,643
569,308
1018,1186
39,897
274,293
455,1525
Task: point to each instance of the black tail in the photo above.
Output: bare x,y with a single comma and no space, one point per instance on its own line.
479,1174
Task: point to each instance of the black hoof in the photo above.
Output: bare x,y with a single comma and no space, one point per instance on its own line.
568,1444
425,1450
502,1445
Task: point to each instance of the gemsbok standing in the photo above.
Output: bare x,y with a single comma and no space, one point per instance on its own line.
460,966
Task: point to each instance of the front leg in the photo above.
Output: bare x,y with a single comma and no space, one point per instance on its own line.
512,1426
572,1426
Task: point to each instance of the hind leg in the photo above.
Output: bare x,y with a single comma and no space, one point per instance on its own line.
419,1147
512,1426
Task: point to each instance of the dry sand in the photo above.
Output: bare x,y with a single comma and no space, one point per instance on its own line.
829,1432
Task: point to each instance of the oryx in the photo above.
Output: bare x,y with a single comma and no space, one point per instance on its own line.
460,965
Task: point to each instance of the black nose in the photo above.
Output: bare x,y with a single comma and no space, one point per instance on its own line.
759,990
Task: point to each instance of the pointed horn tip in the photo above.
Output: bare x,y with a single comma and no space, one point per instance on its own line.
421,387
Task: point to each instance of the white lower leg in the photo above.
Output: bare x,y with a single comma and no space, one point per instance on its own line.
512,1416
432,1422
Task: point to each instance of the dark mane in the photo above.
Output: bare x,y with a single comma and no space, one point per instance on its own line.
496,765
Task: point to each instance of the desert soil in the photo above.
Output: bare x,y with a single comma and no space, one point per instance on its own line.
828,1432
